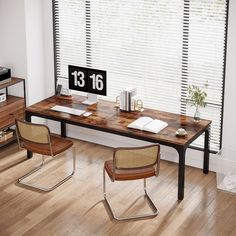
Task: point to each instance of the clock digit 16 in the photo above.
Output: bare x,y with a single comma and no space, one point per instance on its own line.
97,81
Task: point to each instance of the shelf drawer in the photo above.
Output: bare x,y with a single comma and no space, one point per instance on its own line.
10,112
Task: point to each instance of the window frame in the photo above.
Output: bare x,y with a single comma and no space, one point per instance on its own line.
183,90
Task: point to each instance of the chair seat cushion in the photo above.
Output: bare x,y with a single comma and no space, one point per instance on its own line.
59,145
128,174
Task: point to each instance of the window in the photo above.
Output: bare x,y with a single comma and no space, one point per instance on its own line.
160,47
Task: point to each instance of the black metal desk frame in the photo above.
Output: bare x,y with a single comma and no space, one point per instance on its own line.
180,149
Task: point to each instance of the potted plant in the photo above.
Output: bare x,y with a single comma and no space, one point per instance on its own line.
196,97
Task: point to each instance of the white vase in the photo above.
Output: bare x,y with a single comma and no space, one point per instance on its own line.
197,114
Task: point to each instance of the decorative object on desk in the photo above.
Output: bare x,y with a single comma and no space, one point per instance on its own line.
58,89
65,91
181,132
3,97
196,97
127,99
139,105
117,101
5,75
148,124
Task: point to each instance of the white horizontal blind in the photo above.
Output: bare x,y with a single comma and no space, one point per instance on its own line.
205,32
70,40
139,44
159,47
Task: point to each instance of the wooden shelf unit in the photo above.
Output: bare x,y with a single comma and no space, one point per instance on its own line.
13,107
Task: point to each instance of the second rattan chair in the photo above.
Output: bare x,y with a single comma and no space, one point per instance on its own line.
37,138
132,164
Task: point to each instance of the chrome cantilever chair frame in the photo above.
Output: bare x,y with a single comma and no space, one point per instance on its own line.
21,179
146,195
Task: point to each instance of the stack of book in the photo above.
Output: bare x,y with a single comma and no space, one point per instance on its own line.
5,75
126,99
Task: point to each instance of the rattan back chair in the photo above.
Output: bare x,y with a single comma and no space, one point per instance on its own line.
132,164
37,138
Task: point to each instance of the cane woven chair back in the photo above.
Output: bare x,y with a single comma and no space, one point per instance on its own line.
36,133
138,157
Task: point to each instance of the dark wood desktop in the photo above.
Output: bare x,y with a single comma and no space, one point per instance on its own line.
105,117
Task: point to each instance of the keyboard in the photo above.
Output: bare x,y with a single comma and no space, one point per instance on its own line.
69,110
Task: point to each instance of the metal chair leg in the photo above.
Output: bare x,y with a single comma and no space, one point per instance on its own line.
150,202
120,218
32,171
104,194
20,180
104,183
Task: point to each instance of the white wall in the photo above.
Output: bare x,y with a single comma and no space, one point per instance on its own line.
22,45
29,51
48,47
35,51
13,37
229,128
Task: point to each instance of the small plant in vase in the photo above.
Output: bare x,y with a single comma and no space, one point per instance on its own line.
196,97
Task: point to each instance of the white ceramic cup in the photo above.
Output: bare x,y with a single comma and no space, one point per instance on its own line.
181,131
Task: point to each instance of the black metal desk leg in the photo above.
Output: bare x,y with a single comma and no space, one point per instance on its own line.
28,118
181,175
63,129
206,153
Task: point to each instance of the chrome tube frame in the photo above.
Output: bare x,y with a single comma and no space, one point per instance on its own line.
22,182
133,217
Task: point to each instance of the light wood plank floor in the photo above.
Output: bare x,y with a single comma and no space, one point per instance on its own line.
76,207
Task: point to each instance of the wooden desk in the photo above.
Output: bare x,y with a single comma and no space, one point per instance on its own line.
107,118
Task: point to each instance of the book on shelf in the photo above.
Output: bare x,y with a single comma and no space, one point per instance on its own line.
148,124
5,75
5,135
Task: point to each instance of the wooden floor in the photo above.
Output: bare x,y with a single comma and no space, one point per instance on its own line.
76,207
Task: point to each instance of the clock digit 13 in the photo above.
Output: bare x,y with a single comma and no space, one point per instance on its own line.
78,78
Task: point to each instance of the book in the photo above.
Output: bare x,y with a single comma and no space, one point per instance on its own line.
3,70
5,75
5,81
148,124
5,135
